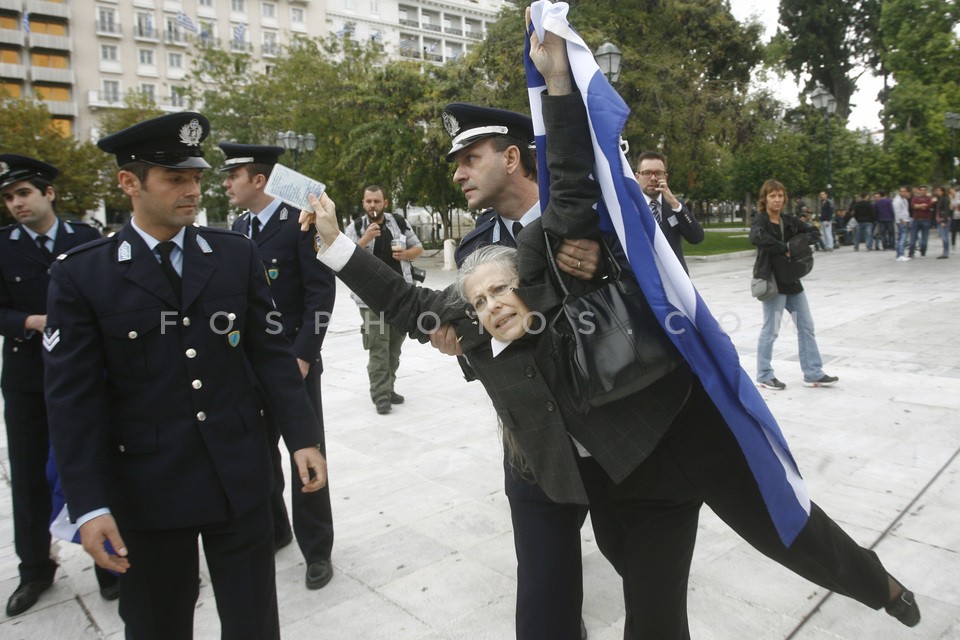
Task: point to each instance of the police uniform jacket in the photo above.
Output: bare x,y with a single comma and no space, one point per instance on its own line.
151,405
24,279
303,289
520,381
489,229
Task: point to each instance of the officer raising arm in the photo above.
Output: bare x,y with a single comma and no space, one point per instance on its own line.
153,340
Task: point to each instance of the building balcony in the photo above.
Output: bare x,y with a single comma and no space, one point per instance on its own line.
475,35
453,31
55,9
175,38
270,49
109,29
50,74
61,108
46,41
145,33
430,27
409,23
11,36
411,53
8,70
240,47
433,57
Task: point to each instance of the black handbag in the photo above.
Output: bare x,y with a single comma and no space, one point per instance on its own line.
800,263
418,274
607,344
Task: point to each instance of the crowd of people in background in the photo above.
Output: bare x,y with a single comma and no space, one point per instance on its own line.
899,222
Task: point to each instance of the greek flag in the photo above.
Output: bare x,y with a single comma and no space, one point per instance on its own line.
238,32
668,289
184,21
26,22
60,525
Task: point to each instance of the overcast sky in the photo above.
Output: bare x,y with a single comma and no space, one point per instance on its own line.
865,107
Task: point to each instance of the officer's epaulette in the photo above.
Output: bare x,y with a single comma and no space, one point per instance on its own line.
485,217
226,232
87,246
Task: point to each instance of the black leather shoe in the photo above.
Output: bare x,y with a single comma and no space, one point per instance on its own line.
283,541
26,596
319,574
110,593
904,608
384,406
396,398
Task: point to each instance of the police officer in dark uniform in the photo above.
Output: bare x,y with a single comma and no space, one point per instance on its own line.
157,341
496,168
304,291
27,249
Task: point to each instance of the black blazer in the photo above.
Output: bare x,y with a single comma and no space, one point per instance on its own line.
24,279
677,225
519,381
151,404
303,288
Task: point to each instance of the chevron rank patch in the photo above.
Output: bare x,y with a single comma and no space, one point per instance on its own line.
51,338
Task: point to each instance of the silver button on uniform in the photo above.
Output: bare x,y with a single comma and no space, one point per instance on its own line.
196,384
201,416
132,335
186,321
191,353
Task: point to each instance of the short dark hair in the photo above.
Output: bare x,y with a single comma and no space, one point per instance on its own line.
258,168
374,188
528,158
138,168
768,187
42,184
652,155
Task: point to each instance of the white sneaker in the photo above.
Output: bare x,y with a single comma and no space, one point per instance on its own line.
903,259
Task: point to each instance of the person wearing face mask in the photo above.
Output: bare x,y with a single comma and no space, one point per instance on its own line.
653,457
770,231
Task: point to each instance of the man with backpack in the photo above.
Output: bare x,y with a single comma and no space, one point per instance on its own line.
389,237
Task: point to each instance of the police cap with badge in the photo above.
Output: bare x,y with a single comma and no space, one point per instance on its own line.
237,155
468,123
16,168
171,141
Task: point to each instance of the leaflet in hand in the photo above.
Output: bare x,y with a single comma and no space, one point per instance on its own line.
292,187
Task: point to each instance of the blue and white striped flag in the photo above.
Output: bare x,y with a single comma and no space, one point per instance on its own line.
668,289
238,33
184,21
25,22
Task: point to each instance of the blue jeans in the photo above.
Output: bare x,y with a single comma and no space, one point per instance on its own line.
826,230
903,232
796,304
864,231
945,236
919,228
887,234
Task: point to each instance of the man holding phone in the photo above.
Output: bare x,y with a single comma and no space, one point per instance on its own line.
672,215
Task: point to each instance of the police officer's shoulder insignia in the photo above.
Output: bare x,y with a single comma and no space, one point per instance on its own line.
15,234
233,338
51,338
284,214
191,133
124,252
203,244
61,256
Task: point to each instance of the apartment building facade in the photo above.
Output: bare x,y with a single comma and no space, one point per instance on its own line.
83,57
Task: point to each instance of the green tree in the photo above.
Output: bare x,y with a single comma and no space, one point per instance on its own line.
27,130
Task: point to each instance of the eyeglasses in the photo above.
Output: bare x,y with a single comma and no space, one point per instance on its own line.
497,292
659,175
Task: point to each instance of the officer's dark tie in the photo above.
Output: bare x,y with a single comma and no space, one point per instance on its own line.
655,210
42,244
254,227
165,249
517,228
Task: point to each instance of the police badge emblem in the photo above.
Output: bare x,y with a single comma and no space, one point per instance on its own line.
450,123
4,167
233,338
273,272
191,133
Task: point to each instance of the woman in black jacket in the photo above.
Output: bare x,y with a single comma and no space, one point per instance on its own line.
770,231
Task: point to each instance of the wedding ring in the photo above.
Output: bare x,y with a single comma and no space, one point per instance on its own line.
578,264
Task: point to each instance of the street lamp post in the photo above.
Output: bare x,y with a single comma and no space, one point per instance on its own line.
953,123
296,144
823,100
608,58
